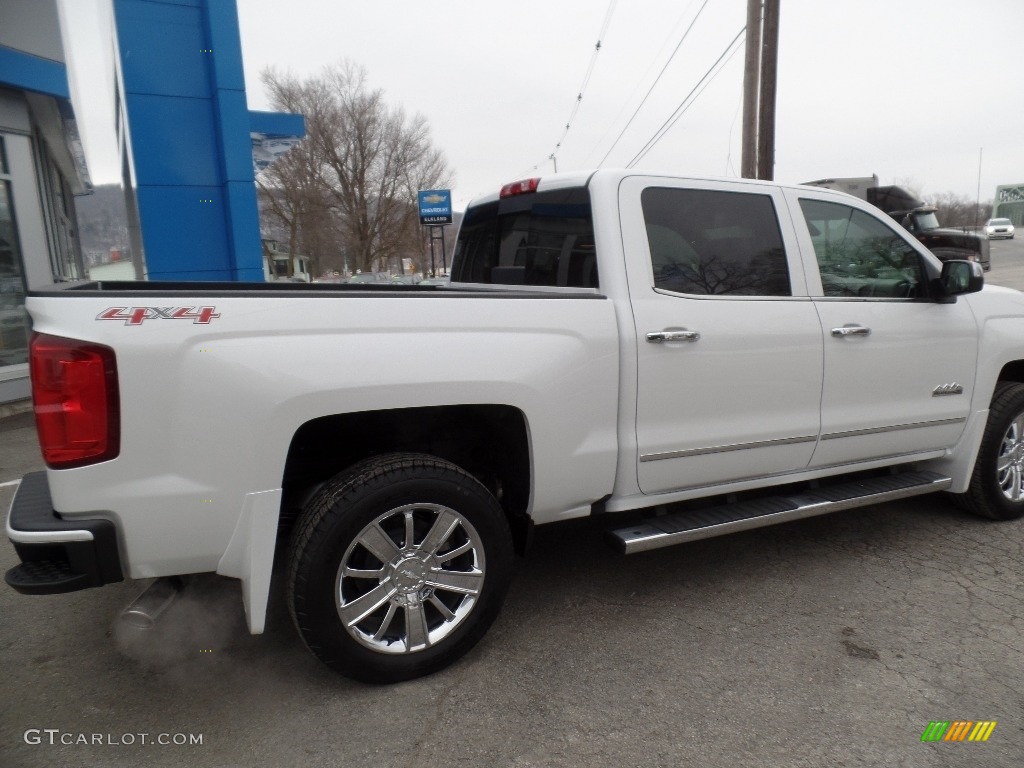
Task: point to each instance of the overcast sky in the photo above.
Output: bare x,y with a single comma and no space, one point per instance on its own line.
913,90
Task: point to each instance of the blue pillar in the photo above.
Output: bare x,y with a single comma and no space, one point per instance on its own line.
184,97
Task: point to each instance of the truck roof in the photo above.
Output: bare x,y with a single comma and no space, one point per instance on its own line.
551,181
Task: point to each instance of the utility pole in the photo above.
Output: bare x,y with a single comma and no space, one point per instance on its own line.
769,78
751,79
759,89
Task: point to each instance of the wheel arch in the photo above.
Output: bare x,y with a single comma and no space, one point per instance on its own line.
960,464
995,486
1012,371
489,441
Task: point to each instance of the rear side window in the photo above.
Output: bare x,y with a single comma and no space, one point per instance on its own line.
710,243
543,238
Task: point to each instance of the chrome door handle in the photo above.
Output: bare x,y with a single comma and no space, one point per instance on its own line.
851,330
660,337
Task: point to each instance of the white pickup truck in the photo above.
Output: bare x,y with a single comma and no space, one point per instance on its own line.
614,343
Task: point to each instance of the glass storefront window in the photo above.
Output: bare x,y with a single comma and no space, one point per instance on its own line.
13,320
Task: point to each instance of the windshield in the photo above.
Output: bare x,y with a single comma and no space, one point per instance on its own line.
998,222
924,221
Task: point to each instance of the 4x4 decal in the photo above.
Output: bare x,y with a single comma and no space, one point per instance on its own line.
138,315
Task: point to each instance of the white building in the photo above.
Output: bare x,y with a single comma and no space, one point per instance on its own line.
41,169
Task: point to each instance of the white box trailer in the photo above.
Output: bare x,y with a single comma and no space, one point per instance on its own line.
855,185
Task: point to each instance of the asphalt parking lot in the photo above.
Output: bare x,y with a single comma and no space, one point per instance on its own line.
833,641
1007,263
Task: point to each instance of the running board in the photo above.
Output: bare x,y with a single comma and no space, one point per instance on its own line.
742,516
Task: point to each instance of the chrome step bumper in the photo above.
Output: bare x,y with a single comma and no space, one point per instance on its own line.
742,516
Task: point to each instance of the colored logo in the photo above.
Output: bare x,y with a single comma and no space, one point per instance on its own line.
959,730
435,206
138,315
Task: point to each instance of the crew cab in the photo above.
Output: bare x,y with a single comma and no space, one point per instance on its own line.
679,357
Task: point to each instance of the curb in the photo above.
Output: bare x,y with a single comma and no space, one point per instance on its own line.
15,408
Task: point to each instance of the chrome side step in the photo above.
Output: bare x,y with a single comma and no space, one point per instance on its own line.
745,515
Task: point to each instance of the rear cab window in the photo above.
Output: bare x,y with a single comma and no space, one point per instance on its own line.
715,243
537,239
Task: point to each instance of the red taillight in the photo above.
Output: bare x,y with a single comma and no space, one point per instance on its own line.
74,393
519,188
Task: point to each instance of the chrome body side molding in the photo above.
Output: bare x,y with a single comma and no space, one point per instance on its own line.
727,448
894,428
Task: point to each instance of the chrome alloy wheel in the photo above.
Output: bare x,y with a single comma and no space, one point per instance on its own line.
1010,464
410,578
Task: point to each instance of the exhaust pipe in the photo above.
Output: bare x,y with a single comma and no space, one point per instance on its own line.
142,613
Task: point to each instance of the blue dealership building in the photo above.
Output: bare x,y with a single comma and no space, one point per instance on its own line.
186,139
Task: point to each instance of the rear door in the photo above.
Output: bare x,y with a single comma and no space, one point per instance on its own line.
729,346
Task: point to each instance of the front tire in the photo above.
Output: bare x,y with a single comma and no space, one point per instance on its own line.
398,566
997,485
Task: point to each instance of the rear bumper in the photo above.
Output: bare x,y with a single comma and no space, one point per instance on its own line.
57,555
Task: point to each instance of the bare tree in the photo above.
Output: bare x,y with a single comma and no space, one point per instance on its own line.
959,211
909,183
361,159
292,189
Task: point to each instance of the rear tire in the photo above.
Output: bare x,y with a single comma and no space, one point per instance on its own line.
398,566
997,484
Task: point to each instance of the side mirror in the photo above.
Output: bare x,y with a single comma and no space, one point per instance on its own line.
959,277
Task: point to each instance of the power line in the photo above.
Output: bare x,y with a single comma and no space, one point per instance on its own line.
656,80
728,155
585,83
683,107
622,110
691,97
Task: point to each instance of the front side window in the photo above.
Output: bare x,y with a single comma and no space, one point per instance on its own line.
710,243
860,256
541,238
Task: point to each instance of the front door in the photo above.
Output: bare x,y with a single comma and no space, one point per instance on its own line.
899,367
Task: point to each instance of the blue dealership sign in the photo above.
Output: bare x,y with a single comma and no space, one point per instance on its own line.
435,206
